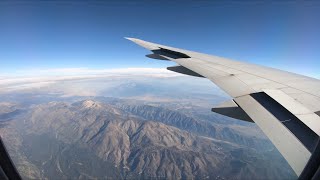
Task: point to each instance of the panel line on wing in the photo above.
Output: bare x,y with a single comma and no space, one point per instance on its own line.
306,136
243,71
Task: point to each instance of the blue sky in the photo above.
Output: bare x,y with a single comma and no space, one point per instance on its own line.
52,35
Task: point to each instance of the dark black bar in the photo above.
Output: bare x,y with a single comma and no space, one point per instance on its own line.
6,163
311,171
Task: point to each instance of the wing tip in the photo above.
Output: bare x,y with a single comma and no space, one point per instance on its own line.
135,40
131,39
145,44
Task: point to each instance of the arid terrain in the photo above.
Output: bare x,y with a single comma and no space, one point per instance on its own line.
133,135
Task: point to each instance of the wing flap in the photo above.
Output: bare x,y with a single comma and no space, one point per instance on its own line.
296,154
308,117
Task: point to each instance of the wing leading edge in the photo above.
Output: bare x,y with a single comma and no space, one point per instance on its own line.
284,105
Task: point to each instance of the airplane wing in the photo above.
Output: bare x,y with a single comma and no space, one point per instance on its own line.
286,106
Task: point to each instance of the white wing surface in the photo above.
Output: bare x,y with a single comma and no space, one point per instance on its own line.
286,106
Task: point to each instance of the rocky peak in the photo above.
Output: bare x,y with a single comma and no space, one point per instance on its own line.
90,104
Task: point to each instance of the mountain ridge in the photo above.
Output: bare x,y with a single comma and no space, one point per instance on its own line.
130,144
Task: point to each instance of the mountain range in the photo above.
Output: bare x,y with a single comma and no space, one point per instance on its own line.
101,138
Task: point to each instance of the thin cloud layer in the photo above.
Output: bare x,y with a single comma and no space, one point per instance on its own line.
88,71
41,78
